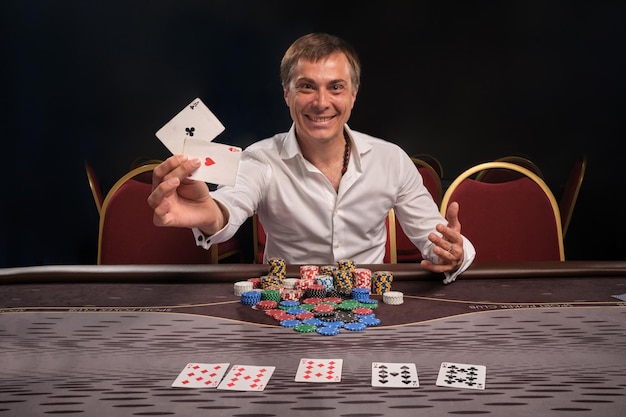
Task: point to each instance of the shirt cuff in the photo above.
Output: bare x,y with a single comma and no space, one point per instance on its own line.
469,255
206,241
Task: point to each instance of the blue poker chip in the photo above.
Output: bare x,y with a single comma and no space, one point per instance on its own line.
314,321
355,327
290,323
334,323
328,330
295,311
370,321
289,303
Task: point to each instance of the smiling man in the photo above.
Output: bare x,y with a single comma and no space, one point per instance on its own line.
322,191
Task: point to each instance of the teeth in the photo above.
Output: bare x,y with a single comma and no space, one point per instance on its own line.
321,119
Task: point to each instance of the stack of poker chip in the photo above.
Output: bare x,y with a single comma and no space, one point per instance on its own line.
362,278
361,294
308,273
393,297
326,281
381,282
271,282
250,298
278,268
256,282
270,294
328,270
243,286
315,291
348,264
343,281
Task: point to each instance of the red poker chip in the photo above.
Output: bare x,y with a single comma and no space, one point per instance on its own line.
363,311
266,304
333,300
312,300
317,287
323,308
304,316
272,312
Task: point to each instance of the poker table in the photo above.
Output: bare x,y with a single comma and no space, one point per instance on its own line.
110,340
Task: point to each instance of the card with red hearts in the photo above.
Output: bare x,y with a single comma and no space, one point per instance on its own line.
220,162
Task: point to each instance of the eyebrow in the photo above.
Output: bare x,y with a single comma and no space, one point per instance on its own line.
311,81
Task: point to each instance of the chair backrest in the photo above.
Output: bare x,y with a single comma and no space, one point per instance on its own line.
571,190
258,239
511,221
430,160
406,251
95,186
503,175
128,235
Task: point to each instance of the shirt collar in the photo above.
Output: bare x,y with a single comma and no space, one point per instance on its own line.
291,148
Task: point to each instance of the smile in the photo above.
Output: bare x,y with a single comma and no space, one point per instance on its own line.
321,119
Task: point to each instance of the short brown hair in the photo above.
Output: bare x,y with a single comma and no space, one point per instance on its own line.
315,46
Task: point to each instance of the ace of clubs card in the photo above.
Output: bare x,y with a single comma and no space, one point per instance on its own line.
194,121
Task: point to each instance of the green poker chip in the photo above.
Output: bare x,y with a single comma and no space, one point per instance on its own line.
305,328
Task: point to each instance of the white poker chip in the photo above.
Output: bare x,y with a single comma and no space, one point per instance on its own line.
393,297
242,286
290,283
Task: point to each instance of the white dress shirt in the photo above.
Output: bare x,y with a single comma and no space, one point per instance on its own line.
307,222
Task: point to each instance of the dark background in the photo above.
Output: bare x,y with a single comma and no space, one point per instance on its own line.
465,81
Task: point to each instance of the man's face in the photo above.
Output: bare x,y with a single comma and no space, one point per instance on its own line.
320,97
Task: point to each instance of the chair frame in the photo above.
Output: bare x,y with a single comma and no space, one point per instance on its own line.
517,160
528,173
94,185
567,215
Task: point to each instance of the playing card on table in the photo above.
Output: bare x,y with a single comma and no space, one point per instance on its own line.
194,121
201,375
401,375
319,370
220,162
247,378
460,375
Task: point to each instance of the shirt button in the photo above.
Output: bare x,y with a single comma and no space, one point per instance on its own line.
200,238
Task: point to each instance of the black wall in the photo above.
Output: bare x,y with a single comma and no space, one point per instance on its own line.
465,81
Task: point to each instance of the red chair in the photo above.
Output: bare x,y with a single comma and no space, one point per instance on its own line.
502,175
570,192
430,160
127,234
511,221
406,251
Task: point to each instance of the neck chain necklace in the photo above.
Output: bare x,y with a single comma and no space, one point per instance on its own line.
346,155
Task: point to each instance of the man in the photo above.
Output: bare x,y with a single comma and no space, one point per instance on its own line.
322,191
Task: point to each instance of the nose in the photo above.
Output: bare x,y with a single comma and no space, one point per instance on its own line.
322,97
